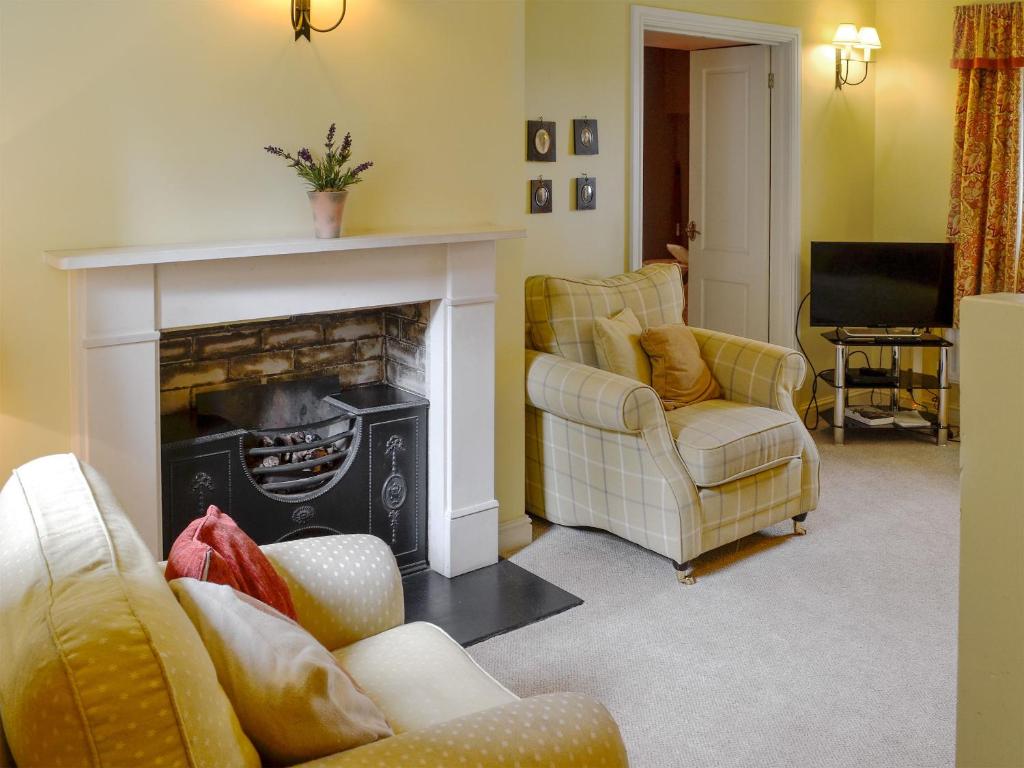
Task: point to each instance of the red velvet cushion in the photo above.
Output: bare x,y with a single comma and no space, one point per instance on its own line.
213,548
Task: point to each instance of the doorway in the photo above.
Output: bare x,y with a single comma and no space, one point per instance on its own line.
705,83
715,165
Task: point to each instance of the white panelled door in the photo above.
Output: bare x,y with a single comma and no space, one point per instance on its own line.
730,137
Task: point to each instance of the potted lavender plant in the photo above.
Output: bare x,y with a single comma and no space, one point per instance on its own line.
328,179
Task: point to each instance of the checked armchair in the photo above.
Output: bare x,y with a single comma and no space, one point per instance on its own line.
602,452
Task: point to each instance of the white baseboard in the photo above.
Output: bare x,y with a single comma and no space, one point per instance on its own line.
515,534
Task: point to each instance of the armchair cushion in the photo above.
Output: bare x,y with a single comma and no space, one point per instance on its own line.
617,340
721,441
679,374
420,677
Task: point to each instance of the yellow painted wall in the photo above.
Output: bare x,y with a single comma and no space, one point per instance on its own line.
915,90
143,121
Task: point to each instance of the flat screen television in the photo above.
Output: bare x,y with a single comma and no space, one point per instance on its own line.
882,285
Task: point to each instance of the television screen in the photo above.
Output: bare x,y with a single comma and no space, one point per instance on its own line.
880,285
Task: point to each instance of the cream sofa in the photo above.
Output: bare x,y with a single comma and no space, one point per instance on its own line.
601,451
100,666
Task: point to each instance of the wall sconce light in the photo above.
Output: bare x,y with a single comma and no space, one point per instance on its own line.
301,19
847,38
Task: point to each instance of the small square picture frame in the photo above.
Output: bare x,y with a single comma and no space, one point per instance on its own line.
584,133
540,195
540,141
586,193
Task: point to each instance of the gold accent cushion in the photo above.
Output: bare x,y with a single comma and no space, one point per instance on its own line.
678,373
617,341
293,699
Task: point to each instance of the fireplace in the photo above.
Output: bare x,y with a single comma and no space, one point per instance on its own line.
123,299
300,426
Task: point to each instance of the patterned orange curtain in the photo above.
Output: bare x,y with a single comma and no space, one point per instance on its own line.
988,51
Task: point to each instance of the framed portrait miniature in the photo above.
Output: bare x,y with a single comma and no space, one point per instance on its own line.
586,193
584,136
540,140
540,195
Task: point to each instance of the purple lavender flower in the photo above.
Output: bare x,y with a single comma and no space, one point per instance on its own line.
305,156
274,150
361,167
330,136
346,145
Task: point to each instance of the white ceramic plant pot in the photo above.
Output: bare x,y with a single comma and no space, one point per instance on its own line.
328,209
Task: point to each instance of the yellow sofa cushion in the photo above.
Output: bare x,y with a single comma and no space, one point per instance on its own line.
100,664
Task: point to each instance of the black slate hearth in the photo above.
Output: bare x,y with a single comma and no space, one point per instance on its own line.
483,603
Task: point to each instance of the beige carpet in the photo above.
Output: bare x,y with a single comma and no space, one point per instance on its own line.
834,649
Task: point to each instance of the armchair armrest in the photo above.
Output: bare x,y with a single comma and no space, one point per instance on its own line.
751,371
344,588
564,729
590,396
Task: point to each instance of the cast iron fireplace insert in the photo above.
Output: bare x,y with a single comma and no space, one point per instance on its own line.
290,460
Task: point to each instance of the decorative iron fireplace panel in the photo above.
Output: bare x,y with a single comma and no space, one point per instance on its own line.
295,459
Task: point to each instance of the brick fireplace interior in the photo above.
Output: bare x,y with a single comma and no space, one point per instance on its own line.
383,345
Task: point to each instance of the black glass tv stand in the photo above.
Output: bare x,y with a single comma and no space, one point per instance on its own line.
895,381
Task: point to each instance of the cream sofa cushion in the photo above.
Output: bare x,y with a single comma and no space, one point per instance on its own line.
100,666
617,341
721,441
420,677
293,699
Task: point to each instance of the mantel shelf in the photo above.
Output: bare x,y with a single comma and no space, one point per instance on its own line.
129,256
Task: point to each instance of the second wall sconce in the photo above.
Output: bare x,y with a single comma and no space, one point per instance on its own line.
847,38
301,22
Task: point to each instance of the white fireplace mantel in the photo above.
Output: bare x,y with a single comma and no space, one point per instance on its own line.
121,299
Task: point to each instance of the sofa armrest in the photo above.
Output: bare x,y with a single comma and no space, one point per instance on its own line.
590,396
345,588
751,371
564,729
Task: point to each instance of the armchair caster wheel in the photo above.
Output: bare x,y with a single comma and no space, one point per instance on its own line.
798,525
684,572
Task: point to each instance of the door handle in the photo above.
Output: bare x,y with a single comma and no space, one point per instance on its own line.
692,231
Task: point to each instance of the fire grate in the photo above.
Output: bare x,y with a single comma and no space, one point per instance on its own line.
299,461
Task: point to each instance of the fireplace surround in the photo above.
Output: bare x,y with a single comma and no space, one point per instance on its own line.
122,298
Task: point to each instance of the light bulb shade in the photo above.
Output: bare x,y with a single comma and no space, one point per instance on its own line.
868,38
846,34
